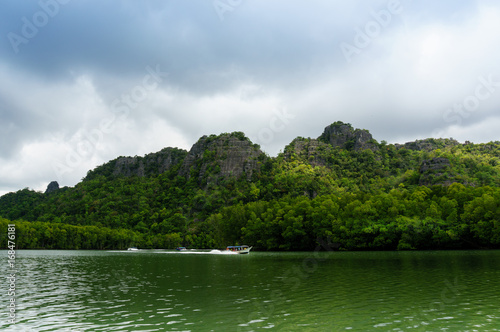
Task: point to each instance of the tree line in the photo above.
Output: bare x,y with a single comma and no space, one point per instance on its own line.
453,217
366,199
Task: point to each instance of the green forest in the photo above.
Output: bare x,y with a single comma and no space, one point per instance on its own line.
344,187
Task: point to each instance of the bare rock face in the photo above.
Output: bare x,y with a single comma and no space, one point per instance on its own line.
150,164
342,135
314,151
53,186
438,164
213,157
435,171
428,144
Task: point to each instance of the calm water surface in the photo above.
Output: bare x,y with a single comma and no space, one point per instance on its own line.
326,291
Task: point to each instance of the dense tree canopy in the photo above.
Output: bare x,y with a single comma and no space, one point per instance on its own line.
424,195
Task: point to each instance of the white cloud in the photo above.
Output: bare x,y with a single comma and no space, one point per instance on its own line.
476,132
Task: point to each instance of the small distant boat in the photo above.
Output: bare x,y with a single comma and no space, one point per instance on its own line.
132,249
181,249
239,249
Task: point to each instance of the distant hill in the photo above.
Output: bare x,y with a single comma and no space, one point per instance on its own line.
343,185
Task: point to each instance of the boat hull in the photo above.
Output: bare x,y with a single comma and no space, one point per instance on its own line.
240,250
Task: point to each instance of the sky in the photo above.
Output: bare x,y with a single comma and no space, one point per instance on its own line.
84,82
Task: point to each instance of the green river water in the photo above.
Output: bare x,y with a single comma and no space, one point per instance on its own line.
316,291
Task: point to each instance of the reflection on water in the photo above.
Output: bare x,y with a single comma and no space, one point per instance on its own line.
330,291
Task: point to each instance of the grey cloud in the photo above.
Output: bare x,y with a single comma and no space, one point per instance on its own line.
286,51
188,41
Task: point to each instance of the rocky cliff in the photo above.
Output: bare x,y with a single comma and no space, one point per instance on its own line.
213,157
437,170
343,135
150,165
233,155
314,151
318,152
428,144
53,186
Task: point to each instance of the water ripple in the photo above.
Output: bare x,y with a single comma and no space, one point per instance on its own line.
95,291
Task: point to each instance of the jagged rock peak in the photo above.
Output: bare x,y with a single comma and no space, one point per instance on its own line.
228,154
151,164
53,186
428,144
343,135
312,150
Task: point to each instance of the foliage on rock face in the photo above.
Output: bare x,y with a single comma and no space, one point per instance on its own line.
434,193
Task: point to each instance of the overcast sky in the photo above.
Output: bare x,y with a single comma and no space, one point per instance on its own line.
83,82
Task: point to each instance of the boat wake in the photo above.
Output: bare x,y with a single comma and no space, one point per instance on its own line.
231,250
196,252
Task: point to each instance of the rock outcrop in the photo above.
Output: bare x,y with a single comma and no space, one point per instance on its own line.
428,144
314,151
435,171
343,135
149,165
53,186
213,157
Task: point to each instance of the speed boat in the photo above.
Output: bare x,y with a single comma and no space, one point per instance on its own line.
239,249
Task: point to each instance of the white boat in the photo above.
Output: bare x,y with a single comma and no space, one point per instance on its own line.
239,249
132,249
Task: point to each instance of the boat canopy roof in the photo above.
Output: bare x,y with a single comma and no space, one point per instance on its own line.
235,247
